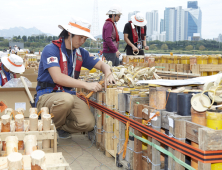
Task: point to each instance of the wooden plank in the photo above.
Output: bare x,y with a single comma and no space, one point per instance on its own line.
202,136
116,122
210,67
166,67
195,69
212,139
137,162
192,131
179,67
109,120
165,120
99,119
173,67
186,68
180,127
155,153
171,162
122,110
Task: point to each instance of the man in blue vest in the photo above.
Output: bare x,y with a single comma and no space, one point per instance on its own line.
58,74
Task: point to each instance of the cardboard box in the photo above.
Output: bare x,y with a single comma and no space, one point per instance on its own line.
16,98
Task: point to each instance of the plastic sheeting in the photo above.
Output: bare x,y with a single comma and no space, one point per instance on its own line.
193,81
16,82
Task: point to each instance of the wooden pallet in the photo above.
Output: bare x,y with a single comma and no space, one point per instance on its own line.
40,136
54,161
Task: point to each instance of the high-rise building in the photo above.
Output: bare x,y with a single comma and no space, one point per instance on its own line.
220,38
192,4
130,14
162,27
170,24
149,25
155,20
179,15
193,20
152,22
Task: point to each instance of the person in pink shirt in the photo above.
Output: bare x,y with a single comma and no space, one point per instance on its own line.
111,36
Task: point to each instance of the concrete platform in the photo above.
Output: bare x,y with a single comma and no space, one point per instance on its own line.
82,155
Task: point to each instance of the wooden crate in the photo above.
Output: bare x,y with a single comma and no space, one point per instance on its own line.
40,135
53,161
197,69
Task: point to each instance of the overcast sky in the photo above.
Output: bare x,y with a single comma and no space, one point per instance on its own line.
47,14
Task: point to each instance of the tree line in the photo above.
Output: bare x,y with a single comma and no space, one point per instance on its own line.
35,42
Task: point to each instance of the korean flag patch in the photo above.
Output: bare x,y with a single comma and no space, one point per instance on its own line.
52,60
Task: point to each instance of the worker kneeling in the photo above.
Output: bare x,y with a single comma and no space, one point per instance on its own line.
59,69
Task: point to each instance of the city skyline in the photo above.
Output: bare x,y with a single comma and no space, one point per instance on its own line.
46,15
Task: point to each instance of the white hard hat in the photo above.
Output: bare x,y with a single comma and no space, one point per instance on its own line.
115,9
138,20
78,26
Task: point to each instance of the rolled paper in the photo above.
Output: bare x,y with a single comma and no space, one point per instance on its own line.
30,144
33,122
46,126
20,111
44,113
5,127
15,161
45,109
37,160
11,144
32,111
19,127
9,112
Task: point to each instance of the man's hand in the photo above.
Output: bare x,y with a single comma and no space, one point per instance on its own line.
146,47
93,87
135,49
118,54
109,80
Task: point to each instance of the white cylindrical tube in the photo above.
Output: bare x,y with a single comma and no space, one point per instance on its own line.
5,127
19,127
45,109
46,126
43,113
33,111
15,161
19,122
33,122
46,122
30,144
9,111
11,144
40,125
20,111
38,160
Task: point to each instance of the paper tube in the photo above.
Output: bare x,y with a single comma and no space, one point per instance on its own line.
32,111
11,144
30,144
5,127
9,111
33,122
19,127
15,161
37,160
46,126
20,111
45,109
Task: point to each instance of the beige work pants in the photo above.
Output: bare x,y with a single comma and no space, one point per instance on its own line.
71,114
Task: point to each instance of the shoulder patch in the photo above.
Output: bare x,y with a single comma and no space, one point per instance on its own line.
52,60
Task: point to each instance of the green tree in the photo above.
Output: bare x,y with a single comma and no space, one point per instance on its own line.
49,38
153,47
24,38
189,48
201,48
164,47
1,38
